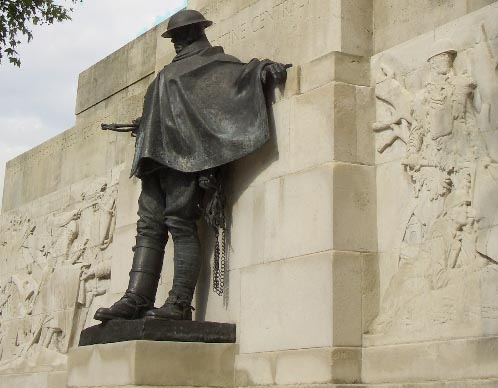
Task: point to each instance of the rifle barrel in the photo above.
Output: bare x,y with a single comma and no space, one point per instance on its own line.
118,127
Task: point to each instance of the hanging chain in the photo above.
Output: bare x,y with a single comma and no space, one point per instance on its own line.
215,217
219,261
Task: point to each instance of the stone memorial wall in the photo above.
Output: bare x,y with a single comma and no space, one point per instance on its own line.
363,237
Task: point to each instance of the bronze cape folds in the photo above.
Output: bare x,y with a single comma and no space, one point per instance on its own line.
203,110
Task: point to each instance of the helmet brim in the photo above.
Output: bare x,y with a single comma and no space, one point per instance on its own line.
204,24
449,51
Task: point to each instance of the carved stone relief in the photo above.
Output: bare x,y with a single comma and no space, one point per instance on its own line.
446,251
56,267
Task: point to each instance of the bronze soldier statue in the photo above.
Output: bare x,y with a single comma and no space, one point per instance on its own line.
203,110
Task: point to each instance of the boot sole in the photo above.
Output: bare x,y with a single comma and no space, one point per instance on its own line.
109,317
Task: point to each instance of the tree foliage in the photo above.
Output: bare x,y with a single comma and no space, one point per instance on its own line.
17,17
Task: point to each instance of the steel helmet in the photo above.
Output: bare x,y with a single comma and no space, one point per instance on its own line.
457,198
184,18
442,46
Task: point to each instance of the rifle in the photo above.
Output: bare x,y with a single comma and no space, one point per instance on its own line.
121,128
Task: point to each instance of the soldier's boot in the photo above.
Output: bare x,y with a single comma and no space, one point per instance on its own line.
174,309
187,267
142,287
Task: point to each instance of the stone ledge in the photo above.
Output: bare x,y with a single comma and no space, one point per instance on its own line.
152,363
442,384
306,367
34,380
472,358
335,66
263,386
158,330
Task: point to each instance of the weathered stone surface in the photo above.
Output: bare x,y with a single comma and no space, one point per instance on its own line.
136,363
336,66
287,30
331,113
102,80
354,208
488,383
397,21
295,215
466,358
448,384
24,182
313,117
305,366
365,112
370,289
277,301
122,106
271,315
38,380
158,330
220,10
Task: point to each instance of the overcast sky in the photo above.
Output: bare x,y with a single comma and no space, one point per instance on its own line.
37,101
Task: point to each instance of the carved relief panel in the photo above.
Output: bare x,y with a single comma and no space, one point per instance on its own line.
55,268
437,125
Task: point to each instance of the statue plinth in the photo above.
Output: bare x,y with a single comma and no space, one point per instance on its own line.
158,330
152,363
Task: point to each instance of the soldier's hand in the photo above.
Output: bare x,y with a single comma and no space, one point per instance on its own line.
275,71
137,121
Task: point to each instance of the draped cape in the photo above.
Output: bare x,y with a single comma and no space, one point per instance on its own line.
203,110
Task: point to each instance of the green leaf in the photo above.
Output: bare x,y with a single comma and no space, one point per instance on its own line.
18,16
